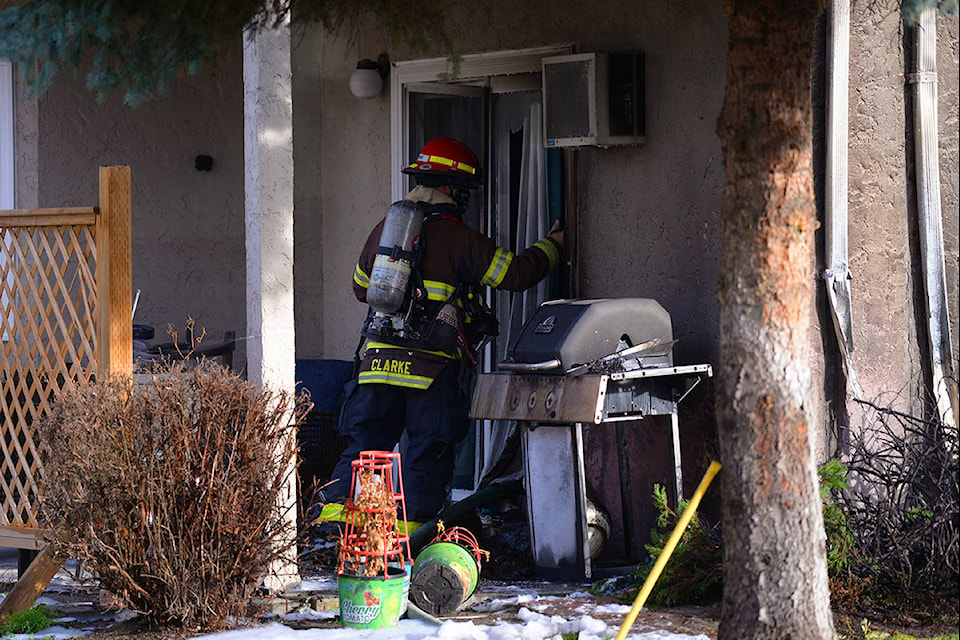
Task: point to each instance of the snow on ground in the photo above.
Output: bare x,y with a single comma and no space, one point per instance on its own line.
534,627
532,624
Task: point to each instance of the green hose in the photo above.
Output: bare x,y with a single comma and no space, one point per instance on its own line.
458,510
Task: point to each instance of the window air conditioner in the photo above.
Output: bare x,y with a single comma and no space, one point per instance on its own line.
594,99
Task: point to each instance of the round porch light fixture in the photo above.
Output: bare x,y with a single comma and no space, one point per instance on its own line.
366,82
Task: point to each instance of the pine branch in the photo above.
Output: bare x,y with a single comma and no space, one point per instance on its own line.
139,47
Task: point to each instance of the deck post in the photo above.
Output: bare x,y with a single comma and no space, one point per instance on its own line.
114,264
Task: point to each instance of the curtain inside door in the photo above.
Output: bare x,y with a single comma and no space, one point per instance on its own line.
521,218
531,222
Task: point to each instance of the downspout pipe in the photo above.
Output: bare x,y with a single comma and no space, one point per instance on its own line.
837,271
926,136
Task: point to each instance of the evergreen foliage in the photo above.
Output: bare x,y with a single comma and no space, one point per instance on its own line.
695,570
140,46
840,542
912,8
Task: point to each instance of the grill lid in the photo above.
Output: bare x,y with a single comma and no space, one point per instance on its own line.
564,335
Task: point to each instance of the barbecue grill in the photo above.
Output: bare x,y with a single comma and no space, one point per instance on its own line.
578,362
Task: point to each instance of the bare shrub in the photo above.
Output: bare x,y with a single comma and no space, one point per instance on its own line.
168,488
902,504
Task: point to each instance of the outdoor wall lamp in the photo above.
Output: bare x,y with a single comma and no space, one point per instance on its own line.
367,80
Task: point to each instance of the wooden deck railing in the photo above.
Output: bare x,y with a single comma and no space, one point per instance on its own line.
65,316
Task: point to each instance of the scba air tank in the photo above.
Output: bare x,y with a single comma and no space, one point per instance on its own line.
393,265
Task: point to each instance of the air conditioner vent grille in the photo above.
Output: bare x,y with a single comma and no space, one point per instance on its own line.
594,99
625,94
568,117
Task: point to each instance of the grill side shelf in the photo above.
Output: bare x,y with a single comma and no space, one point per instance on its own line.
657,372
650,392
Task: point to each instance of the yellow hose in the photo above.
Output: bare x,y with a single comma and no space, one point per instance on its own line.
668,550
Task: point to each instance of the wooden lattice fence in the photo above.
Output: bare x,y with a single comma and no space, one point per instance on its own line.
65,316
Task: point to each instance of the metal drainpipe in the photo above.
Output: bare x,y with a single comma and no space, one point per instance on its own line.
924,81
837,272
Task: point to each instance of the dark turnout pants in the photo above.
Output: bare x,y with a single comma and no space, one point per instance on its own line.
427,423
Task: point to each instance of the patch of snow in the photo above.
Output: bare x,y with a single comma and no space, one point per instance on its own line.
616,609
533,626
50,633
498,604
324,583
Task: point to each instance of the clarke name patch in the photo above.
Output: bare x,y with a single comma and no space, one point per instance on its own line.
388,365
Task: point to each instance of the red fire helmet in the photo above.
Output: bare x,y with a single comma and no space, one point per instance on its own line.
448,161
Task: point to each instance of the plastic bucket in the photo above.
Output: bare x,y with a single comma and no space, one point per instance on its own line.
444,575
372,602
407,572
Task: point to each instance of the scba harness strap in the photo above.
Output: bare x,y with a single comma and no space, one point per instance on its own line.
412,324
397,253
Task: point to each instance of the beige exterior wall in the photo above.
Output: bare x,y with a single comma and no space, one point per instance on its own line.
342,187
948,91
25,147
879,233
887,287
188,226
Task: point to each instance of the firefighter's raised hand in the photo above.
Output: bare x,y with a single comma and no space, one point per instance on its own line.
555,233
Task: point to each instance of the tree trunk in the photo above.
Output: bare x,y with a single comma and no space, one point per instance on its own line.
775,577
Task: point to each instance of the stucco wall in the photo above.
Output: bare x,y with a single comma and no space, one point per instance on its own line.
26,143
948,79
887,288
879,232
188,226
342,187
644,211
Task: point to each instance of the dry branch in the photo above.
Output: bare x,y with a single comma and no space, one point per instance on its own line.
169,489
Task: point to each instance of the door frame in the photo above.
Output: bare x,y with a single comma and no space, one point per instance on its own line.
493,72
474,67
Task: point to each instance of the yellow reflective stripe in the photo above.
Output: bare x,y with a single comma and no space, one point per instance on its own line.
447,162
382,377
384,345
465,168
440,160
361,278
407,527
332,512
498,268
550,249
437,290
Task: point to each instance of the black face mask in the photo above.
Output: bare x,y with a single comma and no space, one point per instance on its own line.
461,197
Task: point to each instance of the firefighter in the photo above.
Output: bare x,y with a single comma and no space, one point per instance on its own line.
410,387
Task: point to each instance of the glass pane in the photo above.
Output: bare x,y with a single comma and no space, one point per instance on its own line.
444,115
